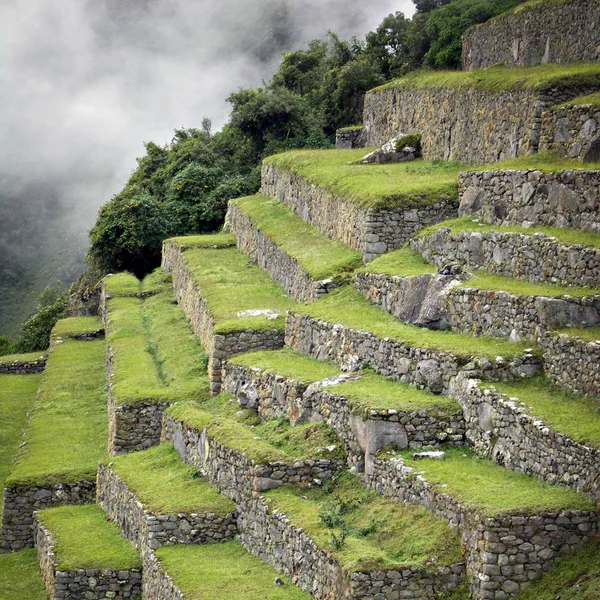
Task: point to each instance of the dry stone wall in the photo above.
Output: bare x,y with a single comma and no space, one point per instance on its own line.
348,138
369,231
23,368
156,583
548,33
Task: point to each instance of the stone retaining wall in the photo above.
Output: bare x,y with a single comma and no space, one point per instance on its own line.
232,472
504,431
148,531
348,138
559,199
572,363
95,584
282,268
369,231
23,368
505,553
437,302
220,347
535,257
156,583
550,33
425,368
21,501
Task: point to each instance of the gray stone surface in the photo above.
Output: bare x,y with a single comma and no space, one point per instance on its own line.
347,138
23,368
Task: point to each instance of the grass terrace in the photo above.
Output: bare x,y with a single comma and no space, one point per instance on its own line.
17,397
20,576
565,412
224,572
484,486
68,427
102,546
318,255
11,359
589,100
167,486
411,184
126,284
232,285
242,430
589,334
365,531
348,307
75,327
209,240
400,263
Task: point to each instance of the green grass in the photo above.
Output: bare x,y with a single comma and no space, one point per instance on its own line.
485,486
20,576
540,78
166,485
68,427
213,240
403,185
126,284
348,307
17,396
590,99
9,359
224,572
567,413
156,357
576,577
84,539
589,334
318,255
563,236
77,326
231,284
400,263
286,363
380,533
350,128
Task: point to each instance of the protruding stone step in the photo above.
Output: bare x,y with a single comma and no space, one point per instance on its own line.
370,208
532,427
157,500
23,364
65,436
153,359
233,307
306,263
82,555
514,527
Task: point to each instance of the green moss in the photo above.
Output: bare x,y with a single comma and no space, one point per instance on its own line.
286,363
350,128
68,427
166,485
485,486
10,359
589,334
411,184
499,79
569,414
77,326
17,396
213,240
318,255
224,572
20,576
380,533
232,285
102,546
348,307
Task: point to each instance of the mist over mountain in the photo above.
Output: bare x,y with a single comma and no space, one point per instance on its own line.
84,84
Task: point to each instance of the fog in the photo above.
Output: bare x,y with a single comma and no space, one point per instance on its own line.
83,83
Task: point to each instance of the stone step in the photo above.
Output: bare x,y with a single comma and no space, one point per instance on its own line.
306,263
240,455
367,411
65,437
373,209
345,329
157,500
532,427
153,359
513,526
213,572
480,303
547,255
233,306
82,555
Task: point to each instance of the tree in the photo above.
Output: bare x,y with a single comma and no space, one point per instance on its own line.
6,346
388,47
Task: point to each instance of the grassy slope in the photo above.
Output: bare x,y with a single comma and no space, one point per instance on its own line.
102,546
319,256
9,359
210,240
576,416
166,485
77,326
590,334
17,396
591,99
230,285
68,427
20,577
224,572
483,485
